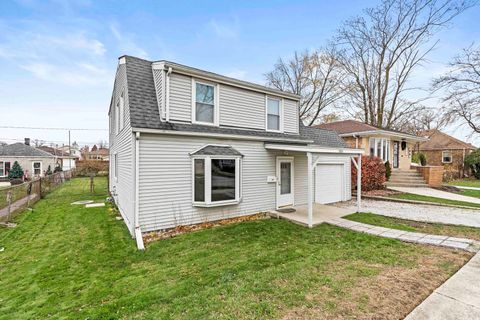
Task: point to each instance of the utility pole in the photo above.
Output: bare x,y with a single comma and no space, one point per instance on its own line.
69,152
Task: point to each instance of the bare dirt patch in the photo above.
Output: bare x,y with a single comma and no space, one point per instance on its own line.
380,193
391,293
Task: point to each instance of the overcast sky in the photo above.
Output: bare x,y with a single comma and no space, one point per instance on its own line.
58,58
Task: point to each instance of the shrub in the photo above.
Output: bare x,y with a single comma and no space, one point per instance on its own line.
423,159
388,170
416,158
58,168
16,172
373,174
473,161
49,170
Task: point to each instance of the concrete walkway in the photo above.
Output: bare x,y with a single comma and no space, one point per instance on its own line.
458,298
418,212
429,192
407,236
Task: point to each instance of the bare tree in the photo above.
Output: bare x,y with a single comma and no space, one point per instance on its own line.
425,119
461,85
380,50
315,76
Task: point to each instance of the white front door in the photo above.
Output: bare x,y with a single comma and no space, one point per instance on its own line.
329,183
285,181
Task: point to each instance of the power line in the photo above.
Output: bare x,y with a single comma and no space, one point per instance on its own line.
45,128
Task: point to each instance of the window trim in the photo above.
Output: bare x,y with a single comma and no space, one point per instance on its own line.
117,116
115,166
121,112
208,181
216,99
33,168
280,111
443,157
2,164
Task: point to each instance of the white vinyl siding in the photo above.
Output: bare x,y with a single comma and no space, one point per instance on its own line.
180,98
158,77
291,116
122,184
242,108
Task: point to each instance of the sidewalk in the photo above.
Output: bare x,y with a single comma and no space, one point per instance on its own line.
457,298
430,192
16,205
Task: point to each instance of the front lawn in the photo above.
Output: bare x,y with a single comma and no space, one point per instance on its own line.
71,262
416,197
416,226
470,193
470,182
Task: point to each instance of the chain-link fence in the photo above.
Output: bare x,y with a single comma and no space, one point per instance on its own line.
18,197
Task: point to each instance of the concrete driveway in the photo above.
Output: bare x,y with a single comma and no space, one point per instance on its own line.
418,212
429,192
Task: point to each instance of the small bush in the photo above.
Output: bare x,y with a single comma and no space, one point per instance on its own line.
473,161
416,158
419,158
373,174
388,170
58,168
49,170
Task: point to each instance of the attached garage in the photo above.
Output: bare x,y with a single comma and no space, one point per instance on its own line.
330,183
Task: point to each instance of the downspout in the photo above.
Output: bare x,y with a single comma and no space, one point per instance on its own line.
138,231
167,95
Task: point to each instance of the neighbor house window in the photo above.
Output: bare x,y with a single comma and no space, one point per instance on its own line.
205,101
274,114
446,156
216,180
2,169
37,168
380,148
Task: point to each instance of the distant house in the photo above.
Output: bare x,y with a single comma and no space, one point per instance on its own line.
34,162
62,158
389,145
96,153
74,150
444,150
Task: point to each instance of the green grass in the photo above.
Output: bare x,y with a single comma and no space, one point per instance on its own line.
416,226
71,262
416,197
471,193
465,182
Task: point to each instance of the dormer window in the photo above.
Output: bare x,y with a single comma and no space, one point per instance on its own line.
274,114
205,110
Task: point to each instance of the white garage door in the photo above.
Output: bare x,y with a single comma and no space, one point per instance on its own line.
329,183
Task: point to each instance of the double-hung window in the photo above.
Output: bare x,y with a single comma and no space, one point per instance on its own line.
274,114
2,169
37,168
446,157
205,110
216,179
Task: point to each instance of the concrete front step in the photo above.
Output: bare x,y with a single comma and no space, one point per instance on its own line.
406,181
406,174
404,184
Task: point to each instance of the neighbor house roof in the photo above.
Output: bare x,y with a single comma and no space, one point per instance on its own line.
438,140
144,112
54,151
353,127
22,150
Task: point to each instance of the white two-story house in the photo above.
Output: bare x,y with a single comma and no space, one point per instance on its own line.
189,146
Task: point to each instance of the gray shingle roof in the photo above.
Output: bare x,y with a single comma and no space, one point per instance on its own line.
212,150
22,150
144,112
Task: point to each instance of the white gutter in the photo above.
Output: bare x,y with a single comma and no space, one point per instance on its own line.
384,133
167,95
138,231
219,135
315,149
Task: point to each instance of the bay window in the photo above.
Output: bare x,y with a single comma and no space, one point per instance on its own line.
274,114
380,147
216,180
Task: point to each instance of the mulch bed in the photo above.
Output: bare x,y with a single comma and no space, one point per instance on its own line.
170,233
380,193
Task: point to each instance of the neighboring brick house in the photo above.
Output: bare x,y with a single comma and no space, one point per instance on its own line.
389,145
443,150
96,153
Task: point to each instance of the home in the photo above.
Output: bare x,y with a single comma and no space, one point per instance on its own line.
34,162
189,146
444,150
74,150
394,146
62,158
96,153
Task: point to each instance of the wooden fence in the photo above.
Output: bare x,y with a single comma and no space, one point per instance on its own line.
19,197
